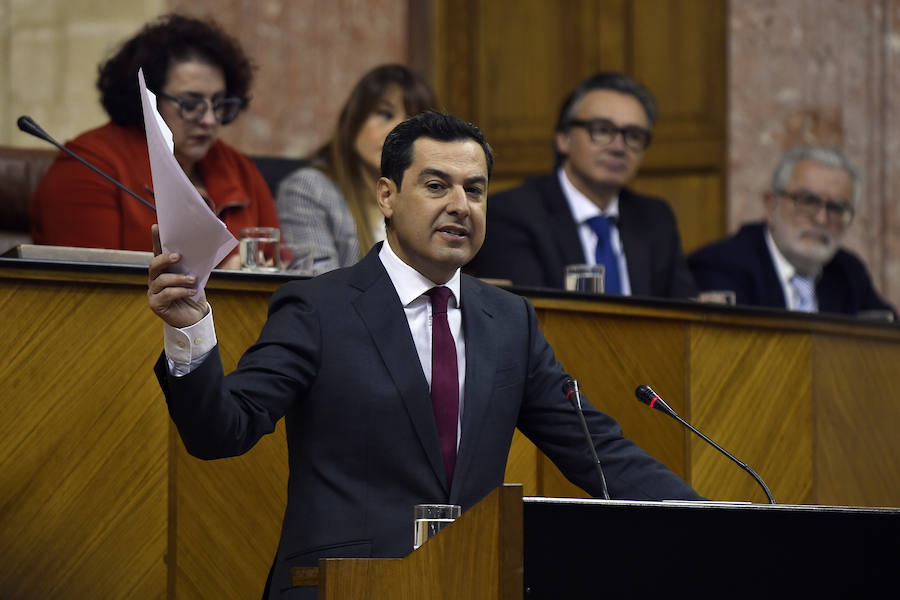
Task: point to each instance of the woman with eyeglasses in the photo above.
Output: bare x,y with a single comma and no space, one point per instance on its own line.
201,78
327,210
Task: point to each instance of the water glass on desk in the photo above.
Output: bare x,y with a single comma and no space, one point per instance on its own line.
585,278
717,297
428,519
260,249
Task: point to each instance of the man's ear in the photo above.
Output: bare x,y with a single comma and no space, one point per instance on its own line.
563,141
385,194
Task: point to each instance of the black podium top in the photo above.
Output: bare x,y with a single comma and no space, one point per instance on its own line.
618,549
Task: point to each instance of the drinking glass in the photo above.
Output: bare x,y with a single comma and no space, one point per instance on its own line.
428,519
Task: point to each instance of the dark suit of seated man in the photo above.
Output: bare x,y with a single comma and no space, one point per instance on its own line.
391,398
794,259
551,221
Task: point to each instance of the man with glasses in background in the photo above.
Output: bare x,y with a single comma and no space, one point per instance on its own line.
583,213
793,260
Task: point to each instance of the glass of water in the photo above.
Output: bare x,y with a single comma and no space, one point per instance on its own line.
260,249
584,278
428,519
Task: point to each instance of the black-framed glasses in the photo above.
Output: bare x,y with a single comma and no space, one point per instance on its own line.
225,110
838,213
604,131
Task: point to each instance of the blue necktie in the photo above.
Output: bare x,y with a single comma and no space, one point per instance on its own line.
605,255
805,289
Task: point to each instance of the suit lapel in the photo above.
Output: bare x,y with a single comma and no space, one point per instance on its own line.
771,292
379,307
561,221
637,252
481,364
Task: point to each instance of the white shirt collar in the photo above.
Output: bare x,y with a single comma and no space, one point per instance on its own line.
580,205
783,266
409,283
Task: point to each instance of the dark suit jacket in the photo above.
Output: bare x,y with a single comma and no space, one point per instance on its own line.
337,360
743,263
531,237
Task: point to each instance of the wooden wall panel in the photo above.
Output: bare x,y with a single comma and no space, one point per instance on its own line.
599,351
82,444
227,530
857,410
678,52
507,65
523,466
694,197
750,391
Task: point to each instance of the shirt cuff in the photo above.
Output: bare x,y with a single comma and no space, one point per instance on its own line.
186,347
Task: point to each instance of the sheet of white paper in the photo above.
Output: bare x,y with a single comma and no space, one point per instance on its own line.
186,224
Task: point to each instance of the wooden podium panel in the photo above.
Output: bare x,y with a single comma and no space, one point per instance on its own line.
750,391
478,557
83,438
806,400
856,420
98,497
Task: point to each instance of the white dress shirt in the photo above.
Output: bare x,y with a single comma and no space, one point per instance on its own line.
785,271
582,210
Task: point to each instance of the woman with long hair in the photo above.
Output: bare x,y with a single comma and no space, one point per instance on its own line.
327,210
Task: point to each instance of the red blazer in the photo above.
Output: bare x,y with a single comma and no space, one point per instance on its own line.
73,206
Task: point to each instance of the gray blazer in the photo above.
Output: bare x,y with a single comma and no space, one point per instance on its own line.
316,223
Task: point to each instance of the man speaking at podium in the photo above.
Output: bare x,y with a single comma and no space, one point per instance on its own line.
401,381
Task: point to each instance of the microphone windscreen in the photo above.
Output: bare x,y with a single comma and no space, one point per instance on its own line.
28,125
645,394
569,386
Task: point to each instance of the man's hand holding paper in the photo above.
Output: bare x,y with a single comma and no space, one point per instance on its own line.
187,227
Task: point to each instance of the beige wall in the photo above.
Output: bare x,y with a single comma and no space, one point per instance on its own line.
819,72
49,50
310,53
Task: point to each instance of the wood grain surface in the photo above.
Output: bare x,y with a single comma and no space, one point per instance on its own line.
98,497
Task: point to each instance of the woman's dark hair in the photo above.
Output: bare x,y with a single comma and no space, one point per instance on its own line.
339,158
169,40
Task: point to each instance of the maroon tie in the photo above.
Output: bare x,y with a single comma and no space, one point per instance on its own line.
444,378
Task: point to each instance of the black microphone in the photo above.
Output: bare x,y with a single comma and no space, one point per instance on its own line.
28,125
571,387
646,395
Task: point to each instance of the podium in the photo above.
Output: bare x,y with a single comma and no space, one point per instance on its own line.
510,547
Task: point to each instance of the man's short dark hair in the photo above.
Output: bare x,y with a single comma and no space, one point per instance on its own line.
397,151
607,80
617,82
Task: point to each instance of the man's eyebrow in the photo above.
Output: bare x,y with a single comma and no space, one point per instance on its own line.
433,172
809,192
